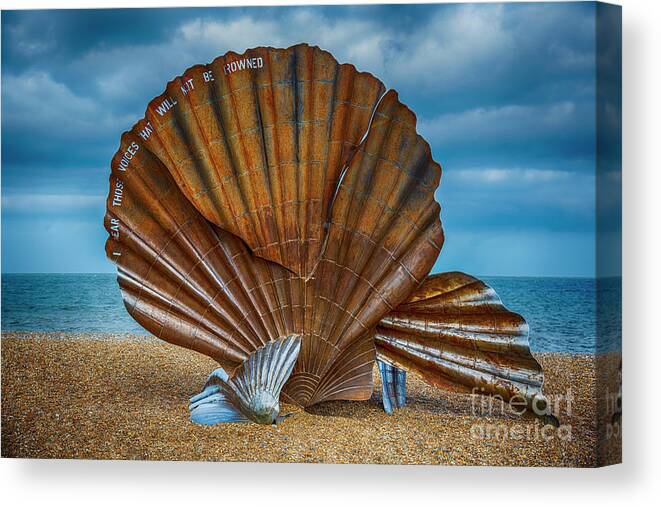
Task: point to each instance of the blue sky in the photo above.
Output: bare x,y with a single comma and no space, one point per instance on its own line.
505,94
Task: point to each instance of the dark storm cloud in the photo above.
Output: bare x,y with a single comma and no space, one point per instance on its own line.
505,95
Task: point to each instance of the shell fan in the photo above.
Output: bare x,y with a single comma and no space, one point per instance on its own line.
455,332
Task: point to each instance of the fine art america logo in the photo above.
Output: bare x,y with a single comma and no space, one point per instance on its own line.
542,406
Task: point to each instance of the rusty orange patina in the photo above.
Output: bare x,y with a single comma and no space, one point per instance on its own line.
279,193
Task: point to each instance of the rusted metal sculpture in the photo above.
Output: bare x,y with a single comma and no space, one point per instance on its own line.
278,193
455,331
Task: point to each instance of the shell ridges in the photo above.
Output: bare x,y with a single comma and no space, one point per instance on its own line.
268,194
455,331
253,392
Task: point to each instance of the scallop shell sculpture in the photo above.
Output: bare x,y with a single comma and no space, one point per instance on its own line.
279,194
253,392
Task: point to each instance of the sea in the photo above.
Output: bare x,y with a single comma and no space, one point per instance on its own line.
562,312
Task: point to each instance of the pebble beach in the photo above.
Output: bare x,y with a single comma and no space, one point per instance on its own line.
97,396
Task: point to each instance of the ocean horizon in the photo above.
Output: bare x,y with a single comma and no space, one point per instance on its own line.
561,311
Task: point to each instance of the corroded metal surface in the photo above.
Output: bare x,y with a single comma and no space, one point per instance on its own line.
257,143
279,193
253,393
455,331
283,196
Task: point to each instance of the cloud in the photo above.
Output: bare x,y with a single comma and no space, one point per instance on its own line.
498,176
539,135
451,50
28,45
569,57
44,121
122,73
35,97
355,40
119,80
444,59
507,121
517,198
33,203
444,49
503,93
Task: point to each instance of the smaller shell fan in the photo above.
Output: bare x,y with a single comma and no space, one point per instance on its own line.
455,332
253,392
